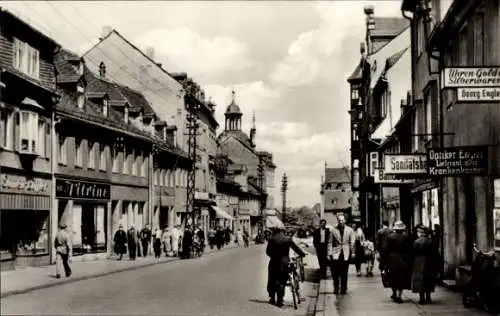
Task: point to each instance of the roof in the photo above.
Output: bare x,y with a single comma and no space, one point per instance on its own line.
356,74
391,61
337,175
233,108
28,25
66,71
136,99
389,26
241,136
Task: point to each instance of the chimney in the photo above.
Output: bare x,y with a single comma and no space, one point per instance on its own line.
106,29
102,70
125,113
150,52
164,130
370,25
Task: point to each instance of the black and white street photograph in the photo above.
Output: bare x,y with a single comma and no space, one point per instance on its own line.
250,157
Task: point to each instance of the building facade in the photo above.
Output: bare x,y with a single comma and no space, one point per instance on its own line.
336,194
27,96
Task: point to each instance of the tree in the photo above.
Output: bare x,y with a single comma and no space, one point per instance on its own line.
303,216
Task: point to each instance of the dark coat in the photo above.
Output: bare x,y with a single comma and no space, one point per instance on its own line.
120,240
278,251
381,244
425,265
317,237
187,241
398,260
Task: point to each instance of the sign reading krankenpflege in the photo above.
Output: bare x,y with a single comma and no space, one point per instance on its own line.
405,164
478,94
458,161
471,77
73,189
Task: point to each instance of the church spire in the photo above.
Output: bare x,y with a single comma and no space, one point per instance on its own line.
253,130
253,119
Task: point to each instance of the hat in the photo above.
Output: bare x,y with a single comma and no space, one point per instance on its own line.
62,225
423,229
399,225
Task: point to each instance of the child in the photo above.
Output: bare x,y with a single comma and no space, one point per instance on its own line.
369,249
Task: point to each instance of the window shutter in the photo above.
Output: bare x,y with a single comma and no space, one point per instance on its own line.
48,144
17,131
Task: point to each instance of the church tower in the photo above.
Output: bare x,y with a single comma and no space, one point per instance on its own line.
233,116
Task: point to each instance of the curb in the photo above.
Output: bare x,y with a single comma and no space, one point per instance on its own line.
95,275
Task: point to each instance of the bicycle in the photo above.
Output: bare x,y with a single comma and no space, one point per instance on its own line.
294,281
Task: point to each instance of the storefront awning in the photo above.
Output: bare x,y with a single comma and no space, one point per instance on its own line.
220,213
274,221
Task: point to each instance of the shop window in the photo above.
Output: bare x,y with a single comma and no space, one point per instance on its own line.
78,152
92,154
61,152
26,59
7,128
28,131
102,157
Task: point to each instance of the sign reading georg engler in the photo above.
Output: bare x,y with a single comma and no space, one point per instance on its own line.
405,164
478,94
471,77
73,189
458,161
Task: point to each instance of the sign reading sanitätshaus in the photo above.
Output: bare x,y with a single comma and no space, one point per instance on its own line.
458,161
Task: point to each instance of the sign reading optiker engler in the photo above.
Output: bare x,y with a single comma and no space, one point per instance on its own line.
458,161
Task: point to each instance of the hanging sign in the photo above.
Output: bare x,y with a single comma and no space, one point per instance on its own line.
478,94
471,77
496,192
458,161
74,189
405,164
381,177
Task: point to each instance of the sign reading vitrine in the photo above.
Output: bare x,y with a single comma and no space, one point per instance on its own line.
458,161
405,164
74,189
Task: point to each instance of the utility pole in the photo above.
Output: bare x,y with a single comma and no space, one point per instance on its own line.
284,188
192,105
262,189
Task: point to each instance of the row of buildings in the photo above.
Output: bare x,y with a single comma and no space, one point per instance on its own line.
425,124
100,140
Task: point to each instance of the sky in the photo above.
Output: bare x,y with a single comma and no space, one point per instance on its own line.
287,61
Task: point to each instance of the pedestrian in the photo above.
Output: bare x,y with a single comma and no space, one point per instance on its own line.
245,237
320,241
145,240
341,250
175,235
369,255
62,245
200,236
228,235
157,243
239,238
211,237
120,240
278,249
132,241
359,239
398,250
166,239
425,265
381,245
220,237
187,242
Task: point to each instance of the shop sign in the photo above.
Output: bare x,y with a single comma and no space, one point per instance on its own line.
458,161
201,195
471,77
478,94
381,177
405,164
20,183
496,227
496,186
73,189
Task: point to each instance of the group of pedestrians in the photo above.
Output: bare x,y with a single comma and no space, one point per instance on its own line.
172,242
407,261
222,236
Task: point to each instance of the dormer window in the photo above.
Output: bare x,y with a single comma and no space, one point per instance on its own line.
105,107
125,114
81,68
81,100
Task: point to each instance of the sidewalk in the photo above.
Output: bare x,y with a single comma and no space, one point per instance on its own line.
366,296
34,278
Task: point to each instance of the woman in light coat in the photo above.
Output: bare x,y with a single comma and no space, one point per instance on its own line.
167,242
175,236
239,238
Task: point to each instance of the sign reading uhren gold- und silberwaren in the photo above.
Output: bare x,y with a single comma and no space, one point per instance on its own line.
471,77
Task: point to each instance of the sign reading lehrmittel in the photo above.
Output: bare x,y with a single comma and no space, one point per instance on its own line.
471,77
478,94
405,164
458,161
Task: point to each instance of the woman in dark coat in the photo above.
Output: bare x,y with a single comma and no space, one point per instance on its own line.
398,263
425,265
132,242
120,241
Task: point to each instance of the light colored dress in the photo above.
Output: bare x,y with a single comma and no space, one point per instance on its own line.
175,239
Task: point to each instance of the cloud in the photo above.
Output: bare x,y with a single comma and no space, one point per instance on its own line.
197,55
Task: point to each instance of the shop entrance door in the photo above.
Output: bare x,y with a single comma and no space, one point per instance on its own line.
88,226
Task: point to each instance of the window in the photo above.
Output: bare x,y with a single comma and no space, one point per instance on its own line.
102,157
354,94
28,132
167,181
420,36
135,163
155,177
105,107
428,115
415,138
125,114
479,39
78,152
7,128
81,100
26,58
144,167
162,177
62,154
126,160
115,160
92,154
42,135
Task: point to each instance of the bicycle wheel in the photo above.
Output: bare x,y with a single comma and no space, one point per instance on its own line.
294,293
